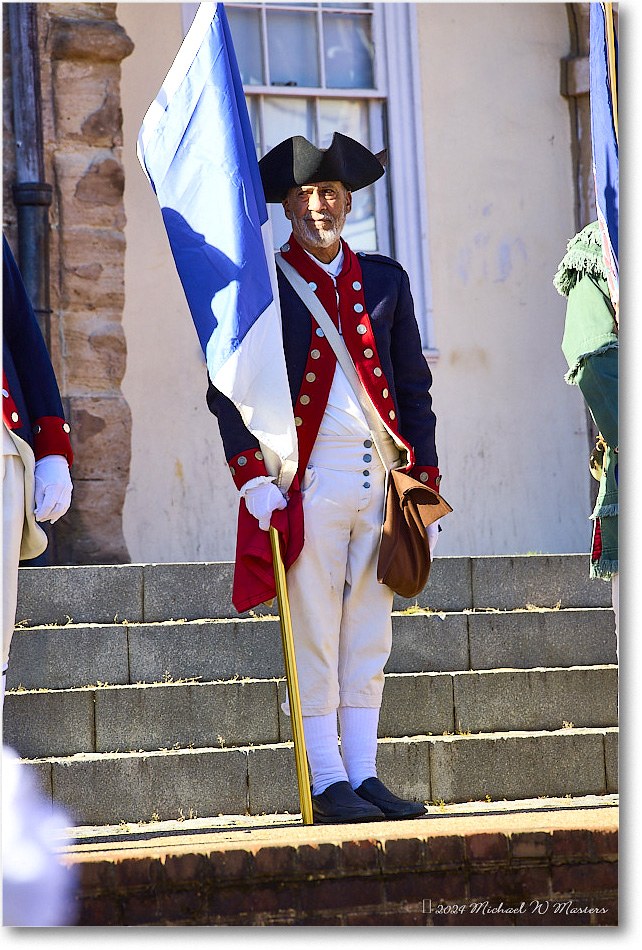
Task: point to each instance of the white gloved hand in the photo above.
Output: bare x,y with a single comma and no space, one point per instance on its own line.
433,533
262,501
53,488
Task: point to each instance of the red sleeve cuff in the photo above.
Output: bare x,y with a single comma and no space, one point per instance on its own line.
51,437
247,465
427,474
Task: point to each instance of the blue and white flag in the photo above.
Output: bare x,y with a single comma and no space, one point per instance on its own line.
604,136
196,148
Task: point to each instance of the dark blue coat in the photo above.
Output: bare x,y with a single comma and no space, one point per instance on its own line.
397,354
31,402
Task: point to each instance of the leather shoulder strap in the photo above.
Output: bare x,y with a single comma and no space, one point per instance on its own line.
386,447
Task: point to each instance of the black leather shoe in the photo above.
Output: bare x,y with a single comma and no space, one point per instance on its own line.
339,804
375,792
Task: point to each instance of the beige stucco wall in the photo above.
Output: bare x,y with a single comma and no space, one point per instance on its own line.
181,501
511,434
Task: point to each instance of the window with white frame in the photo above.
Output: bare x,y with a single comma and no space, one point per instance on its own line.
313,68
310,69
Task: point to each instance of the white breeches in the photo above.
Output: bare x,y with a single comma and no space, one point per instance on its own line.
13,516
341,614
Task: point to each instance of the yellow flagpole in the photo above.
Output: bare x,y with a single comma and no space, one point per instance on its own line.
610,44
292,680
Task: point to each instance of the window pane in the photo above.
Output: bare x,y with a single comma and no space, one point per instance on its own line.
349,51
245,27
285,116
292,46
343,115
253,104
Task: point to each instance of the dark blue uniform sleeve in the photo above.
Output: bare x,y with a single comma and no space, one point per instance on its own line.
30,377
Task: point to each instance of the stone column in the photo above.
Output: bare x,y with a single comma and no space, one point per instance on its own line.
82,48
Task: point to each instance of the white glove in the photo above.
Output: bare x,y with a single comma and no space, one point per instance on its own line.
433,533
262,501
53,488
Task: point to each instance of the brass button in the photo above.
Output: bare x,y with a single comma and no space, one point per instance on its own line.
37,429
66,427
258,456
319,332
368,353
385,393
312,285
356,285
377,371
437,480
285,248
298,421
424,477
391,414
232,470
358,308
362,328
241,460
315,354
15,417
5,393
310,377
304,400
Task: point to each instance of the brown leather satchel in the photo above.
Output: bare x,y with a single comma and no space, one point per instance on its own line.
404,555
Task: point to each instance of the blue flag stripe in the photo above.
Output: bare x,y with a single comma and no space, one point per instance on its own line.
604,143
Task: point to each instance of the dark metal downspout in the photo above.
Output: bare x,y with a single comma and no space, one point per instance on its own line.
31,194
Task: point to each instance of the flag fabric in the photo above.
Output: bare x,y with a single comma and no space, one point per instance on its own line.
604,135
197,149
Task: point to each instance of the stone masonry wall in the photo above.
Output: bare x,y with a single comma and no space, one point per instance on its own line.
81,48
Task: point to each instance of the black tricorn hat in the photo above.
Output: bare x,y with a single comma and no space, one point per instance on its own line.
298,162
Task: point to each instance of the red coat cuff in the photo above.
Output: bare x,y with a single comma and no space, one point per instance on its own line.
51,437
427,474
247,465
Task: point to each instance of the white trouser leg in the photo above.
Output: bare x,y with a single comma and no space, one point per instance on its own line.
340,613
13,516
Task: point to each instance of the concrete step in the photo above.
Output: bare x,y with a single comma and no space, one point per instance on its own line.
107,788
148,593
160,701
126,653
248,711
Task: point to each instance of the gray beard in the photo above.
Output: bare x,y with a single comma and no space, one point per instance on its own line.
311,236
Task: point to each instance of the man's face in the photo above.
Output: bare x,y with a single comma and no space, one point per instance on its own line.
318,213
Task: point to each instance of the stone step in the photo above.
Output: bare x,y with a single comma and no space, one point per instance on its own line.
148,593
107,788
127,653
244,712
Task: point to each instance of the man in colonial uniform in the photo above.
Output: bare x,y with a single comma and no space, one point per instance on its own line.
341,614
36,451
